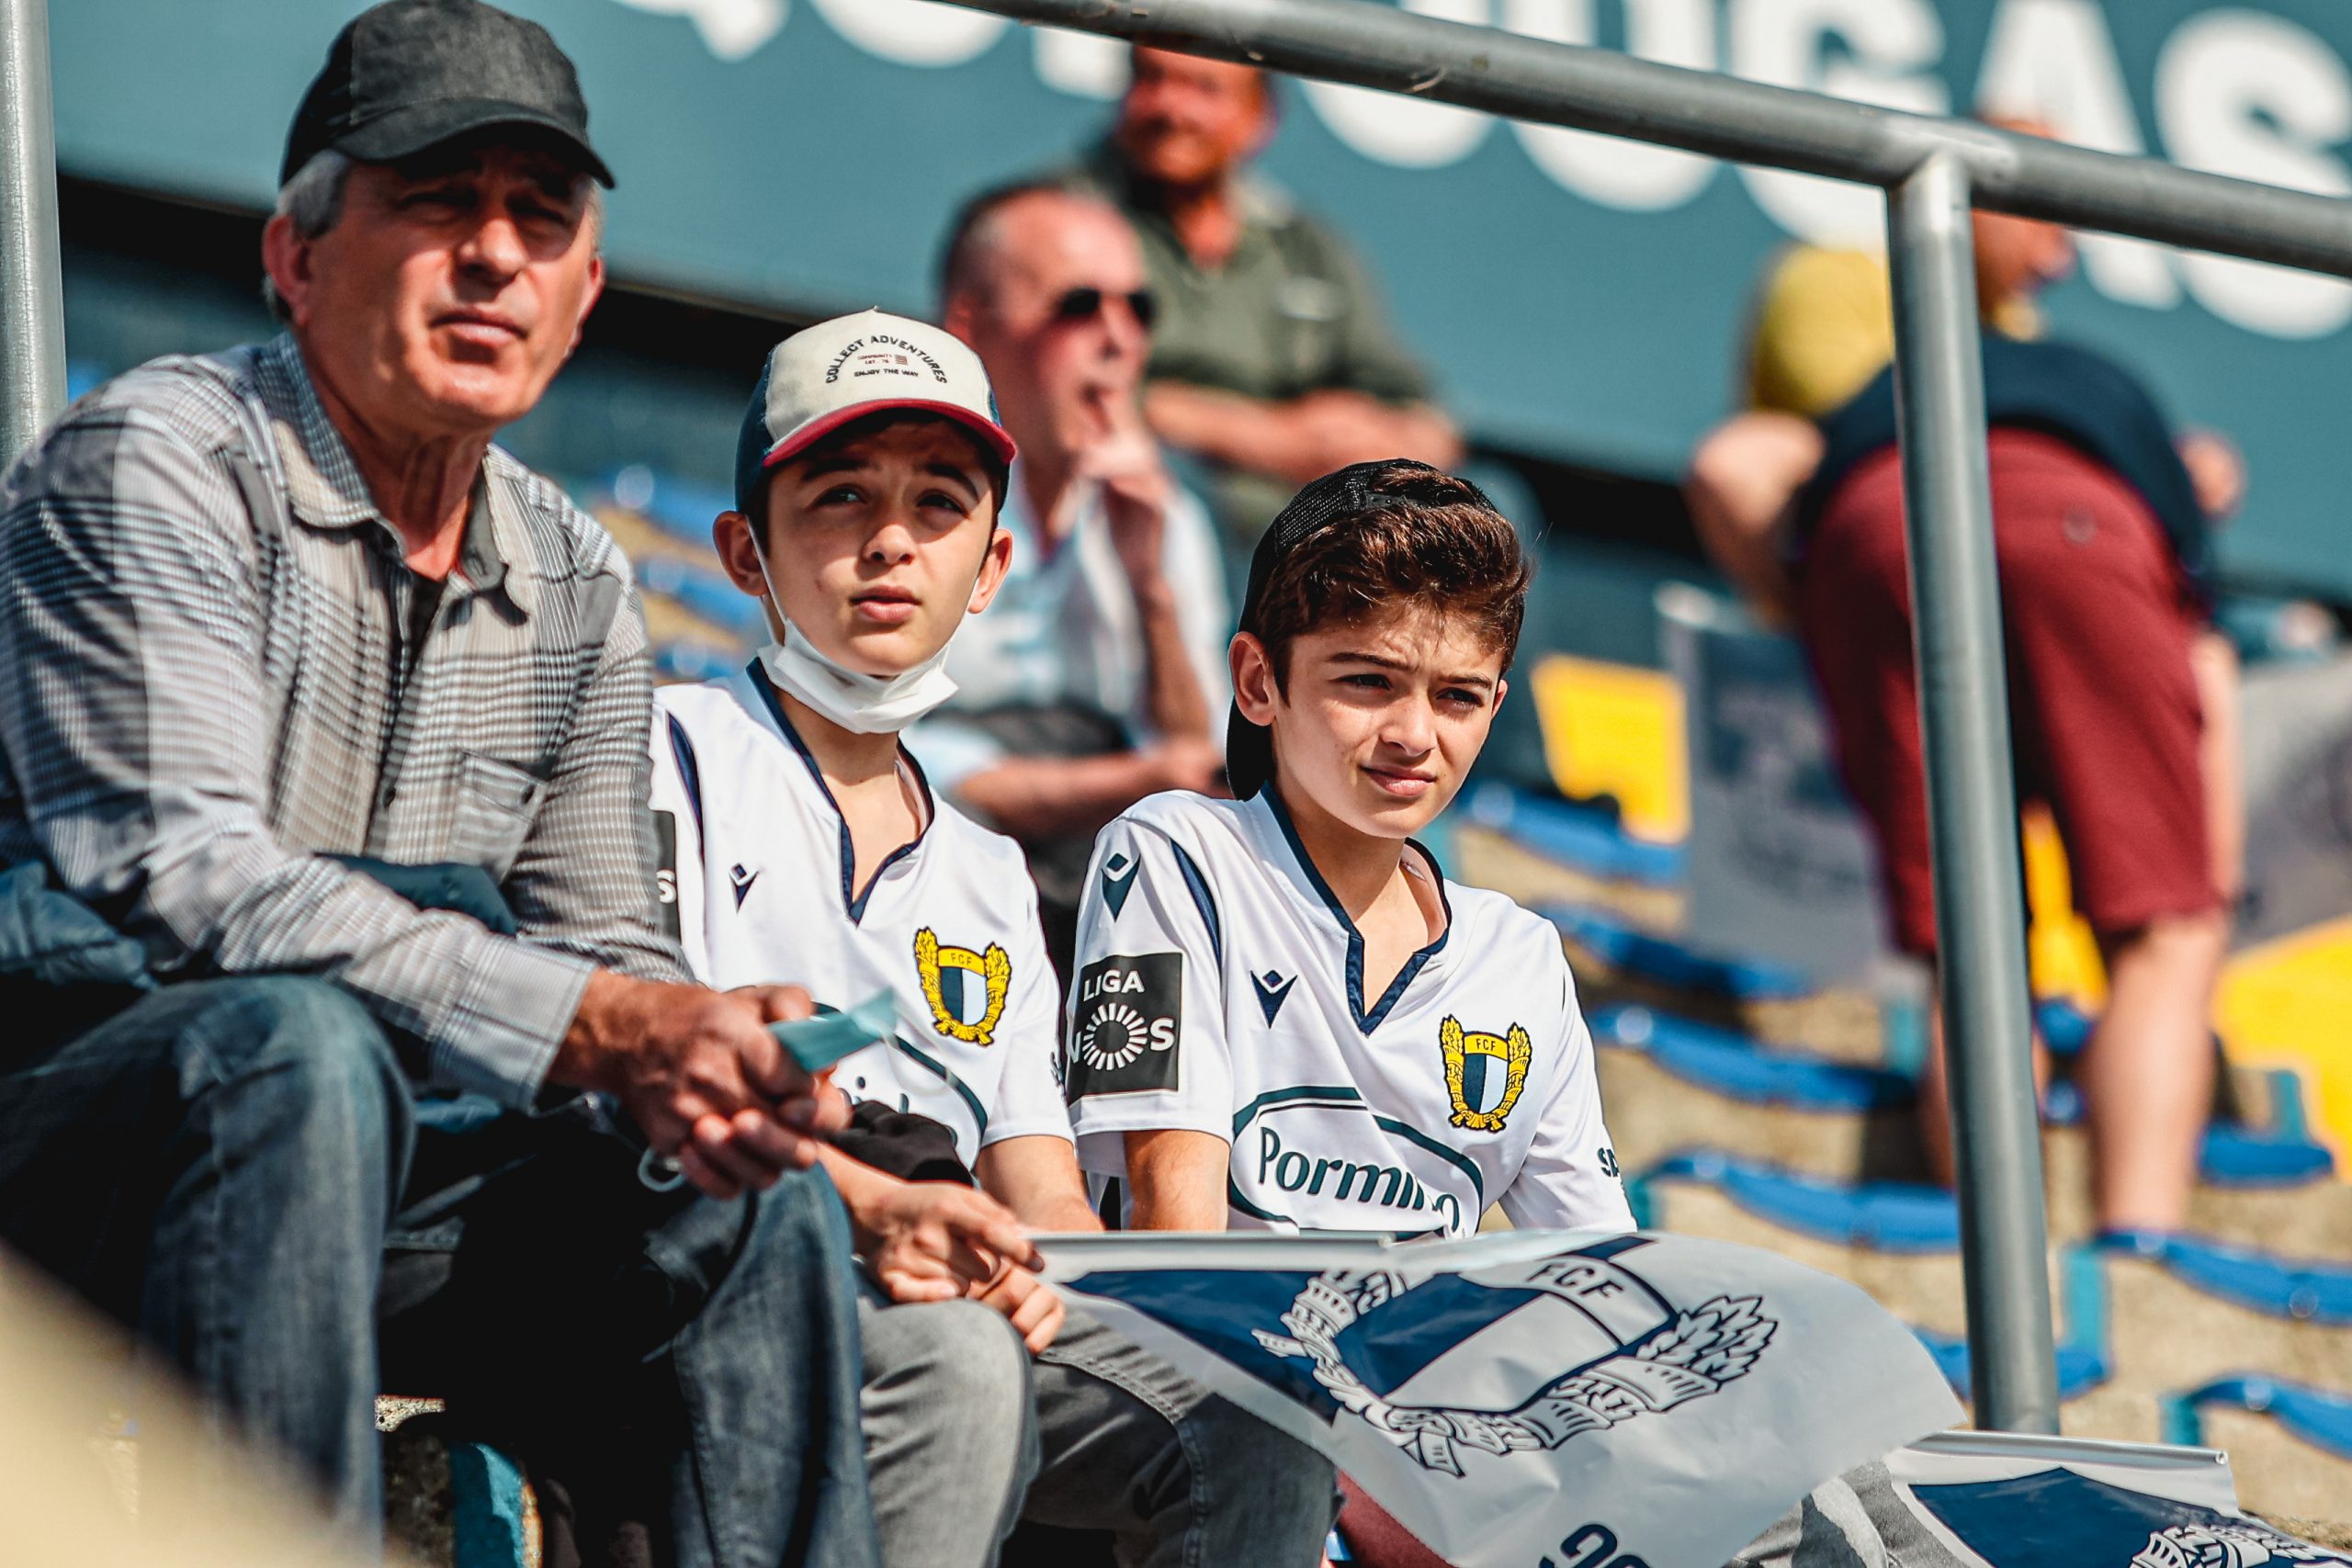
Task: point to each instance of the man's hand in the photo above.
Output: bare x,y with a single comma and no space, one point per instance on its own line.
1187,761
2215,470
1122,461
702,1078
932,1241
1033,1307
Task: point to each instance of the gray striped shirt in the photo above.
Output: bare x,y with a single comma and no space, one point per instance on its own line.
207,686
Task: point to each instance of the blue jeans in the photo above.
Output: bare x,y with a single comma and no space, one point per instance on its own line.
1181,1478
239,1169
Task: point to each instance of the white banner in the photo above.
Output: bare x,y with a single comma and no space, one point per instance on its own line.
1528,1399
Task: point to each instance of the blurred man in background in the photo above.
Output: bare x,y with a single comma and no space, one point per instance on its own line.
1825,325
343,1022
1825,328
1090,683
1274,362
2105,583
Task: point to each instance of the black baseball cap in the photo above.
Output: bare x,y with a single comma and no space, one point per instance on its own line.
408,74
1334,501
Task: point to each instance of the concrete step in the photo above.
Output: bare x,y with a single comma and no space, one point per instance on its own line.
2160,1313
2300,1437
2151,1334
2303,1489
450,1501
1923,1290
1848,1122
1669,1086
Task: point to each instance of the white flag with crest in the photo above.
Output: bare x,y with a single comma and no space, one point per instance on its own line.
1533,1400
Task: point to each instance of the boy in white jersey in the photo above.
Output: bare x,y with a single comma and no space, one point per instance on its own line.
1284,1018
807,847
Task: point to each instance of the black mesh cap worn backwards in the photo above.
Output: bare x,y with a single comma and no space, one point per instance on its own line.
408,74
1339,496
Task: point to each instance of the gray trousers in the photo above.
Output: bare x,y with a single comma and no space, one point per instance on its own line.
1101,1435
1854,1520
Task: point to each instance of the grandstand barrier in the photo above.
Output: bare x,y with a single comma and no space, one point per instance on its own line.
32,290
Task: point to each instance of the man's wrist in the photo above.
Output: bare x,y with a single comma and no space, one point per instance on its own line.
607,1022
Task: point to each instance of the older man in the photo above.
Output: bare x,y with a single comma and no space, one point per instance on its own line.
275,612
1274,361
1092,679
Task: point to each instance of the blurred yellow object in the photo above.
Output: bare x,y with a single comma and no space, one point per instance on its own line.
2283,1004
1616,730
72,1497
2059,945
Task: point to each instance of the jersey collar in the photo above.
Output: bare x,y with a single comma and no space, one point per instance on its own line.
853,898
1366,1022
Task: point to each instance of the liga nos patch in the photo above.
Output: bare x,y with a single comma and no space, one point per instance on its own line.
1128,1016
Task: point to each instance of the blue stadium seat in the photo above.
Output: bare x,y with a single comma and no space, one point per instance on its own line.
1669,963
2080,1368
1732,1065
2302,1289
1885,1216
1577,837
695,662
2318,1417
703,593
680,508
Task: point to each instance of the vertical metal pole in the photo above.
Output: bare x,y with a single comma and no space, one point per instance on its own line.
1971,812
32,301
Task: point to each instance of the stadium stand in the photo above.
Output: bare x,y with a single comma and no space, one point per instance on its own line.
1750,1106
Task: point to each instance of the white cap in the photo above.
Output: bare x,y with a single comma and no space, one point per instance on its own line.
822,376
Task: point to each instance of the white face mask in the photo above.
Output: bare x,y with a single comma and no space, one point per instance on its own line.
865,704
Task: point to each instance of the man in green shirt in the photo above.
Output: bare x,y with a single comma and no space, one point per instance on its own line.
1271,359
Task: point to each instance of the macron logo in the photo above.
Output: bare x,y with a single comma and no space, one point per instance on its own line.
742,880
1272,989
1118,881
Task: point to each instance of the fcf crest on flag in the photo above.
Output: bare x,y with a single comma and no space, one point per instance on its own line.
1516,1399
1632,1354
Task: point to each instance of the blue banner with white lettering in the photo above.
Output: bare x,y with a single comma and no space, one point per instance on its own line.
1535,1400
1581,297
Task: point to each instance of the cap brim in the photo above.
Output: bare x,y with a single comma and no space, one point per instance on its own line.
404,132
824,425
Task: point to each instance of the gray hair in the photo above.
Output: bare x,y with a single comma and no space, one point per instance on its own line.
969,262
312,199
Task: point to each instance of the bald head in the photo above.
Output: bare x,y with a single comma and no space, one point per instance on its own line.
1020,232
1048,286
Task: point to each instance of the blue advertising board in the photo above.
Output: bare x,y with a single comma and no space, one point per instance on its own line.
1580,298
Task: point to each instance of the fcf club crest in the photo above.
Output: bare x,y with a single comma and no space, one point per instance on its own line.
1484,1073
965,989
2239,1543
1621,1350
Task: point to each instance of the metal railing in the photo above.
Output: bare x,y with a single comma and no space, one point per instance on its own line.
32,301
1933,171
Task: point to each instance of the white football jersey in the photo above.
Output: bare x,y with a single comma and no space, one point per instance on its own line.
761,895
1221,989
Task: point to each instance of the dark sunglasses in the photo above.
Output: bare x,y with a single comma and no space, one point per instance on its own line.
1085,304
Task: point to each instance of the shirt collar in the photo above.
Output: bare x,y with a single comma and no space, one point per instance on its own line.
324,489
323,482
